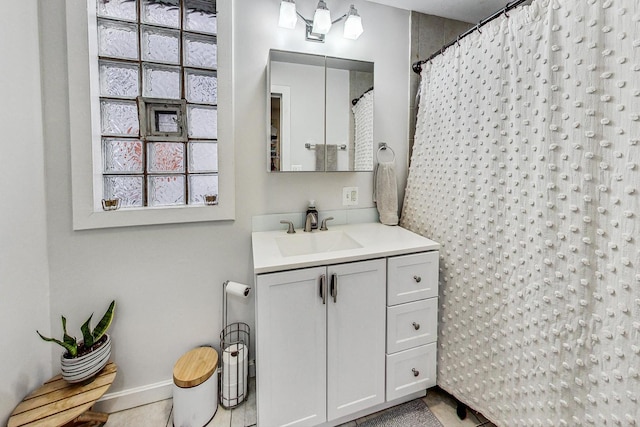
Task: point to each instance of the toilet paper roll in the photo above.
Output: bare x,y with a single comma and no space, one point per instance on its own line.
237,289
235,360
235,367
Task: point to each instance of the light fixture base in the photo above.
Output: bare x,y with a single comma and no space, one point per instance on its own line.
311,36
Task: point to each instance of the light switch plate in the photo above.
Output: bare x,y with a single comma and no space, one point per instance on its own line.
349,196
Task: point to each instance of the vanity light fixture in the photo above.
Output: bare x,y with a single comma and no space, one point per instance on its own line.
317,28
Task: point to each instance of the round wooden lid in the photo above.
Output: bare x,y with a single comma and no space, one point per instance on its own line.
195,367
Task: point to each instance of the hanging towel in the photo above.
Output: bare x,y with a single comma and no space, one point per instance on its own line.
320,157
332,157
385,193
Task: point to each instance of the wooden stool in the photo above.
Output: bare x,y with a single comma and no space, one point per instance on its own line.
195,387
59,403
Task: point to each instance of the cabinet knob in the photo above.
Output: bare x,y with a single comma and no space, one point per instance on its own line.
415,372
418,279
416,325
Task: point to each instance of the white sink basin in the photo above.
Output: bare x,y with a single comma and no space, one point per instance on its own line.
277,251
315,242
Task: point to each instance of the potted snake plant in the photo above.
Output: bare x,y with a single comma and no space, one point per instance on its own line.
83,360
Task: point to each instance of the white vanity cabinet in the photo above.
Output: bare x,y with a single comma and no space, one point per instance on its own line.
346,322
320,342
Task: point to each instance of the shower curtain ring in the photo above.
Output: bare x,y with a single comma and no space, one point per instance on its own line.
458,41
506,9
478,28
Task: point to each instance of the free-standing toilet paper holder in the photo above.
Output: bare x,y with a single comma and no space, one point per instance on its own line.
234,344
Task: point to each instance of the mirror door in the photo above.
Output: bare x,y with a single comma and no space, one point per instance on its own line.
349,106
297,92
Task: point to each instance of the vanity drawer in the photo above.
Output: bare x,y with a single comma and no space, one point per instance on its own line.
411,371
412,324
412,277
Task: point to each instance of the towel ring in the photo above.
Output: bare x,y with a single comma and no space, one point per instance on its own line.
383,148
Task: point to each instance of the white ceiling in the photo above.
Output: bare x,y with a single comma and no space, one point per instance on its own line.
462,10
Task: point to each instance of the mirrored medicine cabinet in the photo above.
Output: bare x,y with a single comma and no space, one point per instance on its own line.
321,113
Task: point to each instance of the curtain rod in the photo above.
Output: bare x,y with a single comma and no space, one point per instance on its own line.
354,101
417,66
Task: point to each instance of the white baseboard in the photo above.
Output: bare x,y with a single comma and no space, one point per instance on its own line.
138,396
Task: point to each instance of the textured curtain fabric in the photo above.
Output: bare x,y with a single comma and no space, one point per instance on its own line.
526,169
363,119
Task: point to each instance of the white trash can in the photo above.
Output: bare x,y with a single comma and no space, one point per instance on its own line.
195,388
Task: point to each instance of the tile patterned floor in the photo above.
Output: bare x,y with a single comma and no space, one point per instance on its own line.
159,414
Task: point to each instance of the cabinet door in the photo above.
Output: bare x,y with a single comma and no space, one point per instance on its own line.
291,348
356,337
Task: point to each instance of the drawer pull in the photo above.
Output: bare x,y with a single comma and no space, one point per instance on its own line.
416,325
334,287
323,288
418,279
415,372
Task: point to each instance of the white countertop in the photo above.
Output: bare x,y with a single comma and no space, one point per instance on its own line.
377,241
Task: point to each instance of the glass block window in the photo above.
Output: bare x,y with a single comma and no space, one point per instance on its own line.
164,50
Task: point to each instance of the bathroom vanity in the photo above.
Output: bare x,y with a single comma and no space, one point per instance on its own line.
346,322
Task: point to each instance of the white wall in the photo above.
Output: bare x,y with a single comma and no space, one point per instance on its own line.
167,279
25,360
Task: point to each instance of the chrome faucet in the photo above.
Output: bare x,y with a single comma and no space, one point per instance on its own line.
291,230
307,222
323,227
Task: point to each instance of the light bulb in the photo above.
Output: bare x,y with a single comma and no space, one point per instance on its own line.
321,19
353,24
288,17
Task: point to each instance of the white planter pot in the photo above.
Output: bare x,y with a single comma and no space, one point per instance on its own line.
82,368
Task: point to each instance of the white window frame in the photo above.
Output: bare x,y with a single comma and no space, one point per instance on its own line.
85,137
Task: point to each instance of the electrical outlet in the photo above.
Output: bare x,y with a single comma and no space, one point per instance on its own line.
349,196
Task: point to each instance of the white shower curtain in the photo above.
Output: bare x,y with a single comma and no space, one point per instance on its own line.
526,168
363,130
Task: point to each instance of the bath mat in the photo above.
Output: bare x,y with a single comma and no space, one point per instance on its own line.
410,414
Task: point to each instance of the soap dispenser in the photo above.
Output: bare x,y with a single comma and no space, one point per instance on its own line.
314,214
